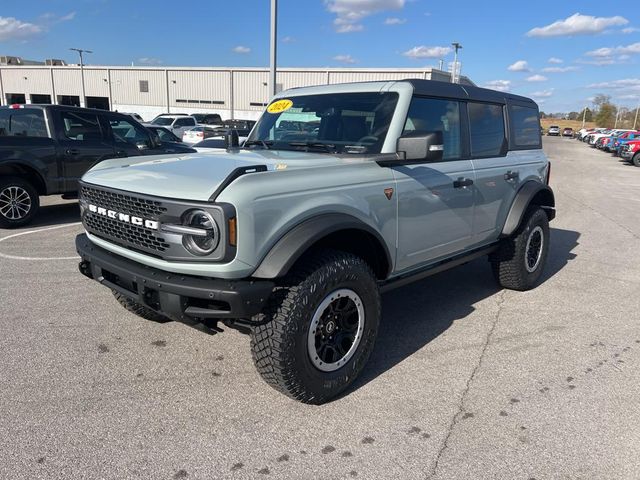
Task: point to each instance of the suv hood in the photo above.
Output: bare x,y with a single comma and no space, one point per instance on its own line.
195,176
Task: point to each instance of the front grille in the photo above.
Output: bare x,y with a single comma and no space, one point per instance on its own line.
125,234
140,207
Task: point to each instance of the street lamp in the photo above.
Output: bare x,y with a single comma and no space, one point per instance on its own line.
273,49
80,52
457,47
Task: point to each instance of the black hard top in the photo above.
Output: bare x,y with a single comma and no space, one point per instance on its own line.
470,92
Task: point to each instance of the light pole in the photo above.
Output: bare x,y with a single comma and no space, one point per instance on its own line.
584,116
636,119
80,52
272,52
454,74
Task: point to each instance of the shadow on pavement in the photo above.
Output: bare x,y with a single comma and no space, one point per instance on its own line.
57,214
414,315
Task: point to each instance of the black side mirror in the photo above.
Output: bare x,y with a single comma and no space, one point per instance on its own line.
231,139
421,146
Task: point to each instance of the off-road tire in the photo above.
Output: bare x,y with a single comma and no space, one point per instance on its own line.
280,346
508,262
636,160
139,310
29,189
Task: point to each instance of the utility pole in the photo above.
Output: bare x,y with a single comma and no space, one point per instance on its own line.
615,124
440,63
636,119
273,49
83,102
584,116
454,73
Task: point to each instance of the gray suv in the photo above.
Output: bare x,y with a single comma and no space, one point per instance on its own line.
340,193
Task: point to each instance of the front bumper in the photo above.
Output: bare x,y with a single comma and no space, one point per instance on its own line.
178,297
626,154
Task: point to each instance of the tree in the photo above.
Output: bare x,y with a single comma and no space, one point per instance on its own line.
606,116
574,116
587,114
601,99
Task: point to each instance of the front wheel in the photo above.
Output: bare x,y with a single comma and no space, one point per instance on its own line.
320,328
19,202
636,160
520,259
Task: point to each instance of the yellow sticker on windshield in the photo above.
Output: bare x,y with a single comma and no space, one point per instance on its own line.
280,106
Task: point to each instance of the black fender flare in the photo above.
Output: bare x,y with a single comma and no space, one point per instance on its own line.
300,238
524,197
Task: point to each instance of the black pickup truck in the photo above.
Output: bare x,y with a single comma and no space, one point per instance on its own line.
45,149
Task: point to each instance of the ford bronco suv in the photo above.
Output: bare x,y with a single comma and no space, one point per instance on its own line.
340,193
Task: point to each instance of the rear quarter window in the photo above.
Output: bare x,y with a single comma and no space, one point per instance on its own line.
525,126
22,123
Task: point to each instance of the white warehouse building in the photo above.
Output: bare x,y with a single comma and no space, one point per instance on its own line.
231,92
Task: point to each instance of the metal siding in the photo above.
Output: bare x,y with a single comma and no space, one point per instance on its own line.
96,82
200,85
248,87
125,87
36,81
67,81
301,79
355,76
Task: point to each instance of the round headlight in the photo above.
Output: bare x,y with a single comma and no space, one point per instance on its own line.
205,242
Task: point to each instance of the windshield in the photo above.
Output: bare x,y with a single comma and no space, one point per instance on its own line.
162,121
336,122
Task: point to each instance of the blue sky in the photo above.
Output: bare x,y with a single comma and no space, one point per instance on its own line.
560,53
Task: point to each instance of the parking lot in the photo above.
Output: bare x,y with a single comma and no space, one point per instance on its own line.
466,380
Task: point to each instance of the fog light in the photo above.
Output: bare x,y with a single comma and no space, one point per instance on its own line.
206,240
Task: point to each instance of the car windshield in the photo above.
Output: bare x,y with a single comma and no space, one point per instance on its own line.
162,121
336,122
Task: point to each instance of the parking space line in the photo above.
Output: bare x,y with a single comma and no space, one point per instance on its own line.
16,257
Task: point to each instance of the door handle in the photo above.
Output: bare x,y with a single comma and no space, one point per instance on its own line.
462,182
510,175
72,151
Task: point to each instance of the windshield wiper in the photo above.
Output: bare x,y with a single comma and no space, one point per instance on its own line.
266,144
329,147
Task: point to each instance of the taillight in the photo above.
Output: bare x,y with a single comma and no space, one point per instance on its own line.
17,105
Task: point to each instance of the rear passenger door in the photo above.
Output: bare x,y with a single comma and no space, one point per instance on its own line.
435,199
499,172
82,143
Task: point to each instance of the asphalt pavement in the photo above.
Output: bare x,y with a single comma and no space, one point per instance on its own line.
467,381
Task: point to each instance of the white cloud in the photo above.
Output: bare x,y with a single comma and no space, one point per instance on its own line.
519,66
559,69
555,60
349,13
395,21
14,29
630,30
619,50
427,52
627,84
241,49
500,85
68,16
150,61
346,59
537,78
542,93
577,24
287,40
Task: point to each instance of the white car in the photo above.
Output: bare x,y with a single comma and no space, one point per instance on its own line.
135,116
594,137
178,123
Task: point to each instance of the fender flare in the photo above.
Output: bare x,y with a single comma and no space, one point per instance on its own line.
300,238
33,166
523,199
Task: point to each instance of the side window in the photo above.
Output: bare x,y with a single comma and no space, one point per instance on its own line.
486,125
81,127
525,126
126,132
185,122
432,115
22,123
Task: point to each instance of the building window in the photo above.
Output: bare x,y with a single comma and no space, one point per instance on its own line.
144,86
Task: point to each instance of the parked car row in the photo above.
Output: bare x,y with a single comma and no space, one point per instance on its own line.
555,131
620,142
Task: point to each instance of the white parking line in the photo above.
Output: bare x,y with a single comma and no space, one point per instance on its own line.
16,257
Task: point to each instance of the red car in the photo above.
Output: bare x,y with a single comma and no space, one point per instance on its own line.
630,151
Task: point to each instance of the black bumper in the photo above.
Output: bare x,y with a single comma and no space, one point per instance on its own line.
179,297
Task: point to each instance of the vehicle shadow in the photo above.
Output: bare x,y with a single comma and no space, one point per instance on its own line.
56,214
415,315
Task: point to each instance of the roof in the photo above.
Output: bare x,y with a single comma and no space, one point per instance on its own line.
433,87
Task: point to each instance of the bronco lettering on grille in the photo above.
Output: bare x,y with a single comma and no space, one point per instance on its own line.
123,217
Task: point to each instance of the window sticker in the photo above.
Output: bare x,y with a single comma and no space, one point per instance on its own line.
280,106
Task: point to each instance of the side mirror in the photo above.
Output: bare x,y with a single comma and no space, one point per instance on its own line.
420,146
231,139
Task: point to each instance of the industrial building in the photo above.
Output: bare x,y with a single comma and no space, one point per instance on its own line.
148,91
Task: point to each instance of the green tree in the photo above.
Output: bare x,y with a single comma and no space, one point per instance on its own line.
606,115
587,114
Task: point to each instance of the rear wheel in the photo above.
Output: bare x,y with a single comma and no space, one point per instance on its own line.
19,202
520,259
636,159
321,327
